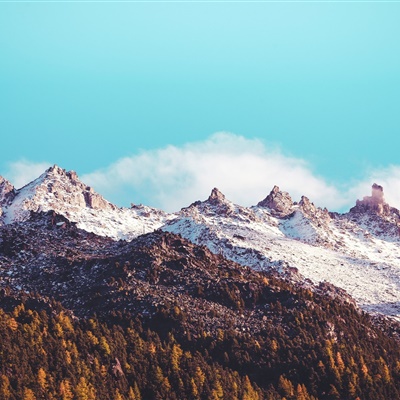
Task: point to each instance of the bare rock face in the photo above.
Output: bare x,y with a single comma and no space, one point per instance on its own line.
375,203
7,191
55,190
217,203
66,188
315,213
307,206
216,197
382,220
280,203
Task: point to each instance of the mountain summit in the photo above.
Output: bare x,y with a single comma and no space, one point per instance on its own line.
376,215
374,204
61,191
216,197
280,203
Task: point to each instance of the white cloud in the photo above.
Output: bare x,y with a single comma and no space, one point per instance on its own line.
245,170
21,172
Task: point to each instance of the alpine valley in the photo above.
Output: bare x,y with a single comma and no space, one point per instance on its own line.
281,300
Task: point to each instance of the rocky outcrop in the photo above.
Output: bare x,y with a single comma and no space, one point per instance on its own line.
309,224
7,191
307,206
374,204
216,204
315,213
7,194
62,192
66,189
216,197
374,214
280,203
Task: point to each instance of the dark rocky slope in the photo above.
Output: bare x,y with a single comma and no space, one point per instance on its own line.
252,334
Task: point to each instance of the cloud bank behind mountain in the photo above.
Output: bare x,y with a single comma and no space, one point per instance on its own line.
245,170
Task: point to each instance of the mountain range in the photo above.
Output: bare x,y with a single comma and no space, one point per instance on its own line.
281,300
358,251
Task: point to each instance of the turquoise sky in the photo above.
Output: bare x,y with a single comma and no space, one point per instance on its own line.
84,84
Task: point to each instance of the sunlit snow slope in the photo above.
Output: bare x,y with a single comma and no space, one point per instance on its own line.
358,251
65,194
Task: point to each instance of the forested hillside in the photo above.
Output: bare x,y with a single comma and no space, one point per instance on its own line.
309,348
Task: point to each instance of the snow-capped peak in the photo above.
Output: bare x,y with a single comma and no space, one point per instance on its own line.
57,190
62,191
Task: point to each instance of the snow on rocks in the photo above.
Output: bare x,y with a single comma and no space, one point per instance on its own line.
62,192
376,216
358,251
346,250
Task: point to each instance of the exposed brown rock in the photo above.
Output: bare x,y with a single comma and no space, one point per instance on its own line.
373,204
216,197
7,194
94,200
280,203
384,219
68,191
7,191
317,214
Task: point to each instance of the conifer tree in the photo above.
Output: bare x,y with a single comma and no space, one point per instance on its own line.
65,390
5,392
84,391
28,394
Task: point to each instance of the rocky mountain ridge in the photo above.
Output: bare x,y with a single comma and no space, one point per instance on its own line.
63,192
357,251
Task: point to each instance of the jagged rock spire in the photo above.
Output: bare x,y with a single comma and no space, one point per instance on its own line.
216,197
7,190
55,169
377,192
307,206
375,203
280,203
318,215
